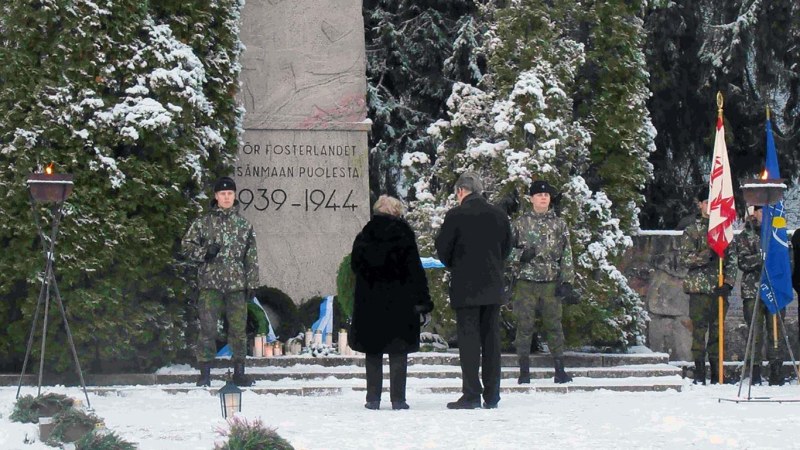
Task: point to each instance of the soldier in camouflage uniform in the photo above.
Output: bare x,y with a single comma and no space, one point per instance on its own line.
224,245
701,283
543,257
750,263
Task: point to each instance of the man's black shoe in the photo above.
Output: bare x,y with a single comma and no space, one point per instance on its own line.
400,405
464,404
489,405
373,405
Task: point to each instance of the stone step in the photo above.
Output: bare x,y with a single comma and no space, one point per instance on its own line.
312,373
421,387
450,358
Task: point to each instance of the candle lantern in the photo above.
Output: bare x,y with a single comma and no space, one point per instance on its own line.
278,351
230,399
268,348
329,339
258,346
342,342
308,337
318,337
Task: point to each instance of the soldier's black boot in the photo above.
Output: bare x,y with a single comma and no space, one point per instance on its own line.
756,374
700,372
524,370
713,371
239,378
204,379
776,373
561,375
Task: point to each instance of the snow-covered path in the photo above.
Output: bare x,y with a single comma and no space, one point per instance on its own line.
600,420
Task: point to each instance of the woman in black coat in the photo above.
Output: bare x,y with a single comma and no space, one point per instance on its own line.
391,299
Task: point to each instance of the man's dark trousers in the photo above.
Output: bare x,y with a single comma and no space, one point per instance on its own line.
479,332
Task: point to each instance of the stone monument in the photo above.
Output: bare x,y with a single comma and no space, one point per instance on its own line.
302,172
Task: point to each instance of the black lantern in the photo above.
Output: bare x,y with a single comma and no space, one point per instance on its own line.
763,191
53,189
230,399
49,187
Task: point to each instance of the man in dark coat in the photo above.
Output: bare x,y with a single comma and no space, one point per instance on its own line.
473,243
391,299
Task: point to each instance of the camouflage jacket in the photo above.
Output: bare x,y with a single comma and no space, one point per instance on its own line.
235,267
548,235
702,262
748,251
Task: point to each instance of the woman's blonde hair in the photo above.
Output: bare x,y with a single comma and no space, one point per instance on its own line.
389,205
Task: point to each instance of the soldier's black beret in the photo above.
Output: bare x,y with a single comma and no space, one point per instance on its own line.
702,194
540,186
225,184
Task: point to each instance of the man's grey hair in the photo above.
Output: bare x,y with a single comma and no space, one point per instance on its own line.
470,181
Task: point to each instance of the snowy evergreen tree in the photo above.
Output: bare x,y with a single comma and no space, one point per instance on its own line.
613,100
137,101
416,50
748,50
521,124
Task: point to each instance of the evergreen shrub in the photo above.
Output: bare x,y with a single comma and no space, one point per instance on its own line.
245,435
28,409
71,425
99,440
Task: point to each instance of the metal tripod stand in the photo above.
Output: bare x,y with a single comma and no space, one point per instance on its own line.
762,192
49,188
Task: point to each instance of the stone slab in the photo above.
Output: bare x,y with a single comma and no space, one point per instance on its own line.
306,193
304,64
302,168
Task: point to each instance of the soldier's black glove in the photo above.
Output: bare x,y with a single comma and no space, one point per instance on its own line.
567,293
211,252
527,255
722,291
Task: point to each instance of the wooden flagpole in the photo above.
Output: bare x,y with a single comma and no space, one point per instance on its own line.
720,299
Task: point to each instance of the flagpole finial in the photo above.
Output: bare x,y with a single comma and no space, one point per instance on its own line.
767,112
720,102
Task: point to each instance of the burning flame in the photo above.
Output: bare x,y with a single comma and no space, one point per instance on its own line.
49,169
764,175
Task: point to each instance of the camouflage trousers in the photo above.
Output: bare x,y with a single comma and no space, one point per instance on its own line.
532,299
764,324
210,305
704,312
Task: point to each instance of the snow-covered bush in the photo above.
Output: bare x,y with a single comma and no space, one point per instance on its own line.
136,99
520,124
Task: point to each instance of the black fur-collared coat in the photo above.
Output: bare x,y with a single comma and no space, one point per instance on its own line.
391,288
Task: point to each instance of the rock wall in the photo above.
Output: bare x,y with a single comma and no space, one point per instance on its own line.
652,268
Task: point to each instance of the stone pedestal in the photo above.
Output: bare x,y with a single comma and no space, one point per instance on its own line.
302,168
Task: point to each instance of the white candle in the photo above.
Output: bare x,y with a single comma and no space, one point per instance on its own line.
308,336
258,346
342,343
268,350
318,338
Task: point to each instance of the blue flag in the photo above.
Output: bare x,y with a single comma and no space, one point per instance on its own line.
325,321
776,279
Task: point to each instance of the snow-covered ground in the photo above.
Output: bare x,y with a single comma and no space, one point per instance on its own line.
693,418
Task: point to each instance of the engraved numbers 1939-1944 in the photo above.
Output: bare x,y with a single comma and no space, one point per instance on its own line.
313,199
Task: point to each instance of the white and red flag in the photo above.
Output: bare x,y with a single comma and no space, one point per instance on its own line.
722,211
